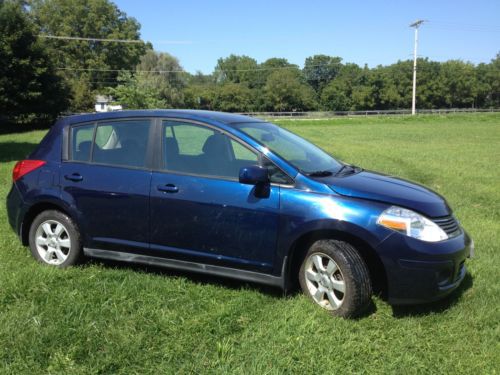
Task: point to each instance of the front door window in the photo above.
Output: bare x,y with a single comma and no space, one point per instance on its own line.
195,149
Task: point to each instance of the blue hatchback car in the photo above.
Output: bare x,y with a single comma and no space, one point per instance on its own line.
233,196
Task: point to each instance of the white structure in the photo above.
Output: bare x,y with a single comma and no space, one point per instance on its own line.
102,104
415,24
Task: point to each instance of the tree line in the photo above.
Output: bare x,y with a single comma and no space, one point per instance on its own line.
41,77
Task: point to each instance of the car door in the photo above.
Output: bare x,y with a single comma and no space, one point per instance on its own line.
107,178
199,210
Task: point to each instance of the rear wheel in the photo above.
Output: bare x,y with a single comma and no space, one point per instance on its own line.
334,276
54,239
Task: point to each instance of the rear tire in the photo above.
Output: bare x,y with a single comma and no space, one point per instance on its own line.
55,240
334,276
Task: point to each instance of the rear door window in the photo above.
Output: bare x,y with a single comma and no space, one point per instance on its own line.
122,143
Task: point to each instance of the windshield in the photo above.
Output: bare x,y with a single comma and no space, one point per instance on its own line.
303,155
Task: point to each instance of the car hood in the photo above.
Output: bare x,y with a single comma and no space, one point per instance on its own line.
392,190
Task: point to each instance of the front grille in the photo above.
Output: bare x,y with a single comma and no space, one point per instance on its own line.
449,224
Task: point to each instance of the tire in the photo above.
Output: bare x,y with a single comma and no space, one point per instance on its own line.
54,239
334,276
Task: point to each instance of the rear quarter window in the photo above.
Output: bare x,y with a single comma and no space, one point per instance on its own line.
81,142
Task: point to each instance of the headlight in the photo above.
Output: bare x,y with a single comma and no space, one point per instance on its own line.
411,224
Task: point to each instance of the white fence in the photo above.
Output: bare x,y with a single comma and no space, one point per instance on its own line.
328,114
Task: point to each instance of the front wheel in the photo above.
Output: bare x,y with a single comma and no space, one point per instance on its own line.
334,276
54,239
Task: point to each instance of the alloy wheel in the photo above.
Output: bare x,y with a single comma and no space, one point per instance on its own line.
325,281
53,242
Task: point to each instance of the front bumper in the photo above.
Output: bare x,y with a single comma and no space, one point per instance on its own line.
420,272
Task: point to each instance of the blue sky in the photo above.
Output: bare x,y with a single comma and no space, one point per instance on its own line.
372,32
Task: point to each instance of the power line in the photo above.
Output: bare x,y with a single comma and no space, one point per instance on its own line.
292,66
464,26
176,71
112,40
110,71
120,70
166,71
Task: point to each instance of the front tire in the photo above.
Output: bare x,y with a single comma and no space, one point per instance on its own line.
334,276
55,240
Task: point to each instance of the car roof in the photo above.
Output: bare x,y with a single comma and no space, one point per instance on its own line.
189,114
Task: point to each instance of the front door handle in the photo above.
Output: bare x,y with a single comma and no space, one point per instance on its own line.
76,177
168,188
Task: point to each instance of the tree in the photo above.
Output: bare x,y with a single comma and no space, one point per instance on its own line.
285,92
458,84
200,79
337,95
488,78
232,97
384,89
237,69
319,70
428,93
163,74
200,96
29,87
88,65
363,98
271,65
158,82
131,94
277,63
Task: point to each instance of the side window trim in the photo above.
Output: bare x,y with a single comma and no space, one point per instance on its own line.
261,163
65,143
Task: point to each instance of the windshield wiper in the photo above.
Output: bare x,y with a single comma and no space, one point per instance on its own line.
320,174
347,168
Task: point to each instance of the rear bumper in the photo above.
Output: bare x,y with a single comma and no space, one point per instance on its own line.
14,203
421,272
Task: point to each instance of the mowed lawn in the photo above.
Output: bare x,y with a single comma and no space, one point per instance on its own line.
111,318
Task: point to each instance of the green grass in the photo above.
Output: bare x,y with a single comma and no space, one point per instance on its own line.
109,318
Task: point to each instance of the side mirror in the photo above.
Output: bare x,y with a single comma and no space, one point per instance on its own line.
254,175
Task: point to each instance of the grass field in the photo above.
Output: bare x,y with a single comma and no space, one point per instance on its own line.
108,318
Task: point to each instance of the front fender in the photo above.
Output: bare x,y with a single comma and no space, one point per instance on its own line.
305,212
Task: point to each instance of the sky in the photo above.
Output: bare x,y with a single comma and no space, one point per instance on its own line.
364,32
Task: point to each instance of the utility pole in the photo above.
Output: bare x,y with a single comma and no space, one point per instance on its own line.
415,24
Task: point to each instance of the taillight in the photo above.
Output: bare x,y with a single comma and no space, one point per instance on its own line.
26,166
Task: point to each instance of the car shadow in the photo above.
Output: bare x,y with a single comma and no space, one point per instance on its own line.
197,278
203,279
368,310
13,151
233,284
434,307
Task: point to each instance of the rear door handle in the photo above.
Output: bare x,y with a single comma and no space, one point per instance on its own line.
168,188
74,177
